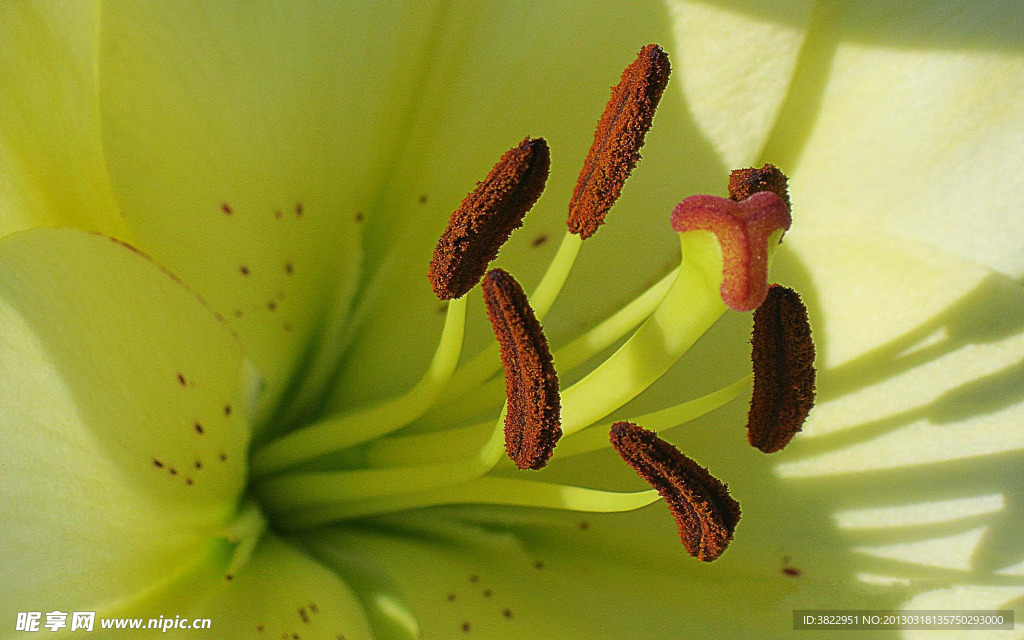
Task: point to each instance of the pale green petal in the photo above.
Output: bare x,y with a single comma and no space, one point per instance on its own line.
920,355
554,579
283,593
735,62
246,140
51,162
488,86
907,119
124,430
917,438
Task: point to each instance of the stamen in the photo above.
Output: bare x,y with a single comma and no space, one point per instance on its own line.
620,134
688,309
744,230
532,427
481,367
459,405
783,363
487,217
744,183
595,437
705,512
367,423
485,490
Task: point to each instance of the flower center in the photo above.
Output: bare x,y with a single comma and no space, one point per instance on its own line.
370,461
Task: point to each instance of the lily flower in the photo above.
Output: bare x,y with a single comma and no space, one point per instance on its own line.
230,392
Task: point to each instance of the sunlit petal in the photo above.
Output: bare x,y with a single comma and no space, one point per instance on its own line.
122,459
51,161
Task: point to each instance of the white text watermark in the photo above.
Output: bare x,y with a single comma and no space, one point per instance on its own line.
86,621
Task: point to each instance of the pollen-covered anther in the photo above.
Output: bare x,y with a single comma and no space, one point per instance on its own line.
487,217
783,363
743,229
532,419
705,512
744,183
620,133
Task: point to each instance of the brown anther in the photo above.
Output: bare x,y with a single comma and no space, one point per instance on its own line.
783,363
744,183
620,133
532,420
701,504
487,217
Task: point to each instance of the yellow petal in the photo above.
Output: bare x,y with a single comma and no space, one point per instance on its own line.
907,120
246,141
124,430
51,161
462,573
281,593
735,67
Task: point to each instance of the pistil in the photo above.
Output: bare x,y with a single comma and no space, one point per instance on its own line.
747,231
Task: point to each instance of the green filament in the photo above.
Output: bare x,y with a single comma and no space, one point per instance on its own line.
690,307
300,489
461,442
486,363
573,354
341,431
485,490
595,437
450,444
